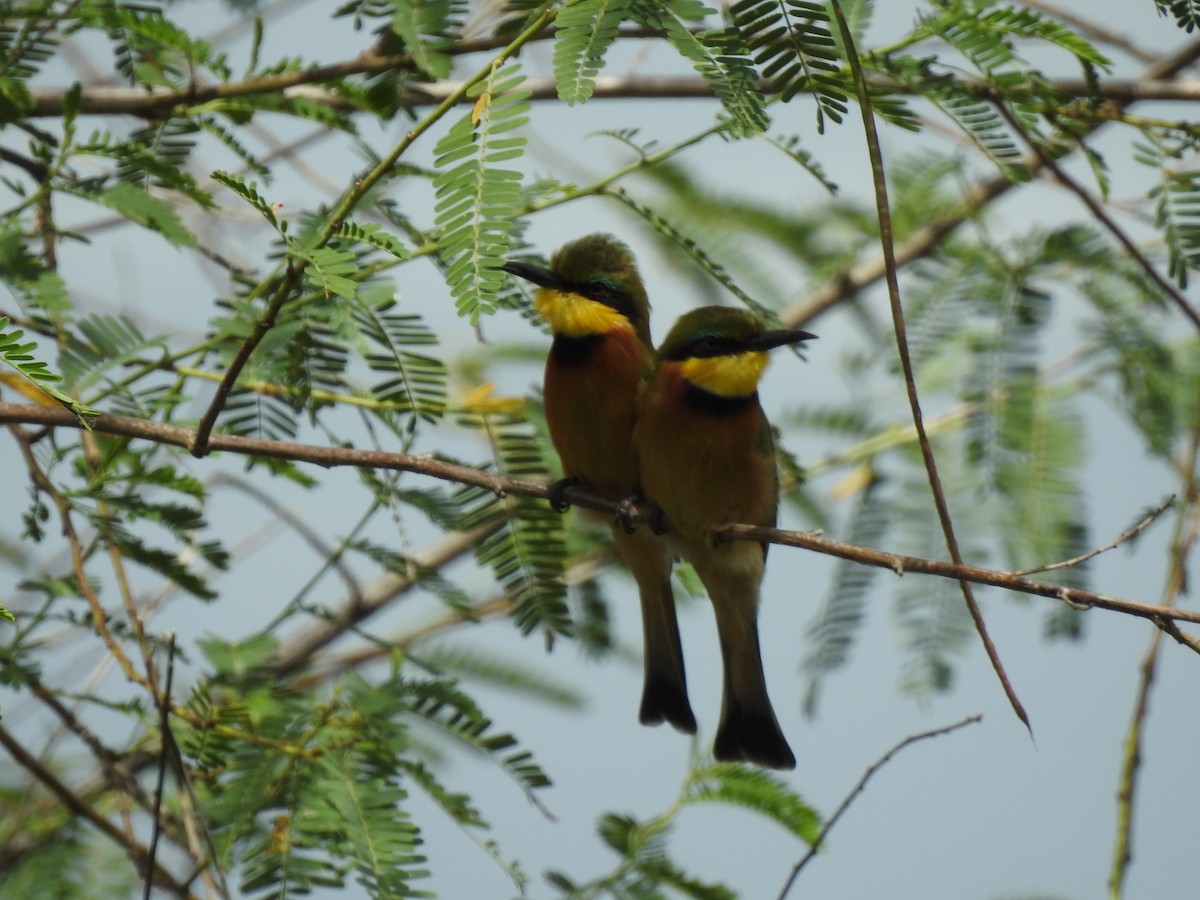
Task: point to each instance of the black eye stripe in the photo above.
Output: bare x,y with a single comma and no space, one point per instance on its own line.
705,348
610,297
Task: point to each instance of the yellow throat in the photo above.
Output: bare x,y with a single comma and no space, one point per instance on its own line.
572,315
727,376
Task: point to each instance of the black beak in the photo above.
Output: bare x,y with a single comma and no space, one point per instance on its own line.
769,340
539,276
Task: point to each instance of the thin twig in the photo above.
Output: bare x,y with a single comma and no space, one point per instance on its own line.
145,101
307,534
360,187
1187,531
901,565
294,653
1101,215
164,724
910,384
329,457
1089,27
857,277
84,810
858,789
99,614
1127,535
580,571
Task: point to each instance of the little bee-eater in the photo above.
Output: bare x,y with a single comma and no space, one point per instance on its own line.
705,456
593,299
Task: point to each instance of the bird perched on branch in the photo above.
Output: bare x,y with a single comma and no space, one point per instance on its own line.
594,301
705,455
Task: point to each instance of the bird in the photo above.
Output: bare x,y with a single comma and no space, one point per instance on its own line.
705,456
593,299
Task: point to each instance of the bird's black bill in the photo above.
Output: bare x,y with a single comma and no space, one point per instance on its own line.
536,274
769,340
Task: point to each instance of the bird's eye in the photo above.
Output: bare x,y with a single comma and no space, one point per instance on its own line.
708,345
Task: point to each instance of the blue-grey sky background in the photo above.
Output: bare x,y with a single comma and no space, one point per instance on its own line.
983,813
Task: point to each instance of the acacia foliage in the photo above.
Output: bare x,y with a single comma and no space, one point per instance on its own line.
298,775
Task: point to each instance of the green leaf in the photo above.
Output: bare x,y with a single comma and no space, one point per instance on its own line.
328,268
833,630
1185,12
248,191
721,57
239,659
416,382
97,345
25,273
18,355
372,234
477,201
584,33
757,791
426,29
137,205
1177,196
796,51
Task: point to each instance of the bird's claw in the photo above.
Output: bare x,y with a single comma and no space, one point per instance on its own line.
626,512
558,502
634,510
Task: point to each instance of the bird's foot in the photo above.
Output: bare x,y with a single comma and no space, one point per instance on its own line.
635,510
558,502
628,514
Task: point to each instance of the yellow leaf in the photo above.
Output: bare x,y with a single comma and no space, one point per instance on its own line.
480,105
854,481
480,400
23,385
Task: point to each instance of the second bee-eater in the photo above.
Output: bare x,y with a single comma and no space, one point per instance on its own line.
706,457
594,301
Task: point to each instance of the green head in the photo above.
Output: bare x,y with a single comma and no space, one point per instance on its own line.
594,270
723,350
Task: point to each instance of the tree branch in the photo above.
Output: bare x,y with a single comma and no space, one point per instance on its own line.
858,789
156,101
501,486
79,807
910,383
861,275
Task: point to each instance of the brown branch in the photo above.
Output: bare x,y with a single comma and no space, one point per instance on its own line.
858,789
903,565
157,102
1187,532
910,383
99,614
1098,33
329,457
163,701
201,444
859,276
1127,535
111,763
84,810
294,653
1097,210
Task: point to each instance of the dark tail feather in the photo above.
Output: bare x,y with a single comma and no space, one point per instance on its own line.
666,701
748,730
753,736
664,694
